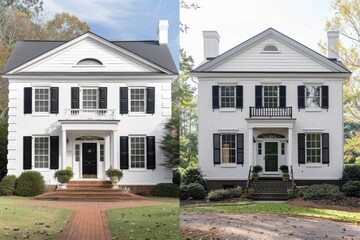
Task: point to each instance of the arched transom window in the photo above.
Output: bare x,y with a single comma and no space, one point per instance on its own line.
270,48
89,62
271,135
89,138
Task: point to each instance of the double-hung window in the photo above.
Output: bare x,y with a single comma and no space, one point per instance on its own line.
42,100
137,152
312,96
228,148
41,152
313,148
271,96
137,100
90,98
227,96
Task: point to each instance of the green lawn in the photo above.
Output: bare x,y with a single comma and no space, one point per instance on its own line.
12,199
31,222
282,208
160,222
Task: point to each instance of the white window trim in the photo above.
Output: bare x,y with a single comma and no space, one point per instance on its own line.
104,153
33,153
227,109
145,153
44,114
309,164
313,109
229,165
129,101
82,96
263,94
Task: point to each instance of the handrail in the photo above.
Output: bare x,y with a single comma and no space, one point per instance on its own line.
270,112
293,185
248,180
100,114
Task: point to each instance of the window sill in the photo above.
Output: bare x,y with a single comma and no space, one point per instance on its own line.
40,114
313,165
228,165
137,114
43,169
317,109
137,170
227,109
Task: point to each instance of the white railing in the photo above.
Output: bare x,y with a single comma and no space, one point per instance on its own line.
90,114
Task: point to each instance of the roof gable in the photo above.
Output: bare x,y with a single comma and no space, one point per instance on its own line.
291,56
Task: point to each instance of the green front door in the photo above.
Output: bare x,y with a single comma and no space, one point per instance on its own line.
271,156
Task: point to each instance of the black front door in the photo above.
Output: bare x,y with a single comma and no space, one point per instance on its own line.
271,156
89,160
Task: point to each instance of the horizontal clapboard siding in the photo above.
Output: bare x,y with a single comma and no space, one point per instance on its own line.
87,49
288,60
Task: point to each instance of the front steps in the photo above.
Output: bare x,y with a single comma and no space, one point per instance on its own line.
270,189
89,191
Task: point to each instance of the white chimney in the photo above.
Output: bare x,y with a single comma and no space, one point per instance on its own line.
333,44
211,44
163,31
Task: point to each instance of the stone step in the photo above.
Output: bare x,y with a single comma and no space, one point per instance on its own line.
270,196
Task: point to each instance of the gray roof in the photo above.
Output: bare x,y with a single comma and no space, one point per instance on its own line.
152,51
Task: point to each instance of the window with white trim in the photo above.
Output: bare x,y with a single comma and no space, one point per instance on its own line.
102,152
228,148
42,100
41,152
313,148
137,100
271,96
137,152
227,96
312,96
90,98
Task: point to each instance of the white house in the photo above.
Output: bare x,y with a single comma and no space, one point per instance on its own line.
90,103
270,101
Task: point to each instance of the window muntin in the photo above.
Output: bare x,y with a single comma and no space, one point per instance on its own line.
102,152
312,96
313,148
271,96
227,96
41,153
137,152
42,97
137,100
77,152
90,98
228,148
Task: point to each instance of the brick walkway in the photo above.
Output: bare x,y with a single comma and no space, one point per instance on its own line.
88,220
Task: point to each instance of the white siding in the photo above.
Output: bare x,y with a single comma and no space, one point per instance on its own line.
287,60
65,60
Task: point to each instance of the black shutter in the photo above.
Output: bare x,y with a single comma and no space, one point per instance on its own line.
150,100
325,97
124,152
27,100
150,155
102,98
216,139
27,152
282,90
301,148
75,98
239,97
240,148
54,152
54,100
124,108
215,97
325,149
258,96
301,97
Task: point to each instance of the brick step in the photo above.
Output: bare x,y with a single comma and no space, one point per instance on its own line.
88,184
89,197
96,193
88,190
87,187
270,196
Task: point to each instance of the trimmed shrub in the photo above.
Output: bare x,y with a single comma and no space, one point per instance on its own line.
215,196
351,173
63,176
193,190
257,168
284,168
7,185
321,191
176,177
350,188
167,190
218,195
193,175
30,183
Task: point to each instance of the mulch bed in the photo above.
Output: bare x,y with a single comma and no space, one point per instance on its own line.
351,204
207,202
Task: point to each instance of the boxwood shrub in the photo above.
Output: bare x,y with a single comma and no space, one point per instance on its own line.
30,183
351,173
7,185
193,175
321,191
221,194
195,191
167,190
351,188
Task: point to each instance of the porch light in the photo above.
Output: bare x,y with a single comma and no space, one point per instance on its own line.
67,141
254,140
89,151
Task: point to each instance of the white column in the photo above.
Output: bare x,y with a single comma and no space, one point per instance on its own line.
251,147
107,153
290,146
116,161
63,145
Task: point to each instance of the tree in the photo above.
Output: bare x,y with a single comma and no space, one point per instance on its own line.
3,148
65,26
346,20
30,7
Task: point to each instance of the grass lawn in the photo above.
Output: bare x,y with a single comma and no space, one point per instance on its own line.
158,222
282,208
31,222
12,199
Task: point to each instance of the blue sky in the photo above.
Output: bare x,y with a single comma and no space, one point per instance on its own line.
124,19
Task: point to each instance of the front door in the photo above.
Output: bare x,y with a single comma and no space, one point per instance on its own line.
271,157
89,159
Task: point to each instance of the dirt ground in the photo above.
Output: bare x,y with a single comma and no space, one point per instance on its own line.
351,204
244,226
